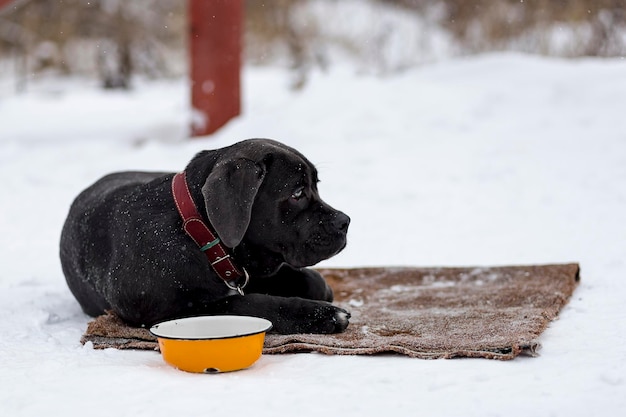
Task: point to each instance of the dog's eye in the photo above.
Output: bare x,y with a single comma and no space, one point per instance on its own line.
298,194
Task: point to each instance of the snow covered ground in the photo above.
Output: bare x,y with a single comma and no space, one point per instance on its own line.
499,159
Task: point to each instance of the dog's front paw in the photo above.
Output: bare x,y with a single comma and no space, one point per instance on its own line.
342,318
329,319
300,315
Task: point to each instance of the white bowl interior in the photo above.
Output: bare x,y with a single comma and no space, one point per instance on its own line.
210,327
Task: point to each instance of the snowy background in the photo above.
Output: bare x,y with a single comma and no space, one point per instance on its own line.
491,159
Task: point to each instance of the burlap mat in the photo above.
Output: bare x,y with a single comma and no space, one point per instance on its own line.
494,312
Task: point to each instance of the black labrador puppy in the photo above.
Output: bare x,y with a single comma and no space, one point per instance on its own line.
124,248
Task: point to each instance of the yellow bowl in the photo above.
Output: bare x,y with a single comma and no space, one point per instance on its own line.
211,344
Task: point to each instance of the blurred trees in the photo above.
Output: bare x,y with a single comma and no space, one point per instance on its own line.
115,38
598,26
304,32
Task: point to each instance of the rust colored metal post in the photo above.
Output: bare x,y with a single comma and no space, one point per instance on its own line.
215,31
4,3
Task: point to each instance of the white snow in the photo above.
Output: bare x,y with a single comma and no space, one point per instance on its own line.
491,160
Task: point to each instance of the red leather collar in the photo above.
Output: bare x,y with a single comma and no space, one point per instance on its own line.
205,238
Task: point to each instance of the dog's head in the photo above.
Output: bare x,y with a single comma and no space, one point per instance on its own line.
265,193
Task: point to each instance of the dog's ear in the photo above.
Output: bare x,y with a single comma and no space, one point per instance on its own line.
229,192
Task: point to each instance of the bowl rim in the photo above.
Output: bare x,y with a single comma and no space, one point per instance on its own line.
264,326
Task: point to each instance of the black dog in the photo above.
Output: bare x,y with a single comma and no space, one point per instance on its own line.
123,247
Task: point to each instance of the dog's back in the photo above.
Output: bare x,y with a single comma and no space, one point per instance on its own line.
91,213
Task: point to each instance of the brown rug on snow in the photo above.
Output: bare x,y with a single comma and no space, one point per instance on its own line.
487,312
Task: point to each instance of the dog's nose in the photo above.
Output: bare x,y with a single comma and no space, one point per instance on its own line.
341,221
